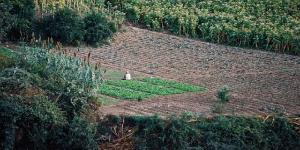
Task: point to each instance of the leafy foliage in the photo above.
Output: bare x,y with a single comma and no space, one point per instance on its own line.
193,132
173,84
78,134
98,28
269,24
223,94
144,87
69,79
123,93
42,101
6,18
16,18
67,27
6,58
61,20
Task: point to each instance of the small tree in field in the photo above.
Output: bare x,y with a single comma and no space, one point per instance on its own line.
223,94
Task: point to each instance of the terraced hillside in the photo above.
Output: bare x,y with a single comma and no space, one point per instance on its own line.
260,81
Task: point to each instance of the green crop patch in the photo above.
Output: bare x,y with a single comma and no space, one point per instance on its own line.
123,93
145,87
173,84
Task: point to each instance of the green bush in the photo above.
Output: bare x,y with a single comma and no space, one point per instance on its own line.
69,79
24,11
16,19
98,28
26,121
6,58
6,18
195,132
41,108
223,94
78,134
66,26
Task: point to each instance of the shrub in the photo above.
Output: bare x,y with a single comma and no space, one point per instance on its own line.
78,134
16,19
24,11
69,79
40,107
223,94
98,28
196,132
26,121
6,58
6,18
66,26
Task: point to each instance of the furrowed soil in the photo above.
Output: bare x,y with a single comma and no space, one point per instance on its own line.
260,81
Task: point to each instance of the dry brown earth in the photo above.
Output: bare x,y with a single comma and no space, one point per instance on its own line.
260,81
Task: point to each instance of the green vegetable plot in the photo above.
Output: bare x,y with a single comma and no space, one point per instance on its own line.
123,93
145,88
174,84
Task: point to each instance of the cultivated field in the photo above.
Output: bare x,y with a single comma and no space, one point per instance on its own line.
260,81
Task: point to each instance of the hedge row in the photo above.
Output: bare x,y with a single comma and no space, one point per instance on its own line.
68,27
18,21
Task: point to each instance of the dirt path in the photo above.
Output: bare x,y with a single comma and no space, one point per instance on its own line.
260,81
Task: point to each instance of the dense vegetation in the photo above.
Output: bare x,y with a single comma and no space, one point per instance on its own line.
194,132
45,100
61,21
265,24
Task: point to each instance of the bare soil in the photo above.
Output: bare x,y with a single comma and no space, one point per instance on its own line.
260,81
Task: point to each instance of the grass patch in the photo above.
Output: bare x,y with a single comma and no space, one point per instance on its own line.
123,93
6,57
6,52
106,100
145,87
173,84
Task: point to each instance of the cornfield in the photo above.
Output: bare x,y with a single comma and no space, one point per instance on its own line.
263,24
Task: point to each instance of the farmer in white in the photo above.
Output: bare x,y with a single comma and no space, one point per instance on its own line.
127,76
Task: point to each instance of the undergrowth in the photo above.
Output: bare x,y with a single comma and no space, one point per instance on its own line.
194,132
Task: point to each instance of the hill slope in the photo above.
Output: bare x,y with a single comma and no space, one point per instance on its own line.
259,81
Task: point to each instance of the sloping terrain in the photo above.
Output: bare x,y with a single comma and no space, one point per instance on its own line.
259,81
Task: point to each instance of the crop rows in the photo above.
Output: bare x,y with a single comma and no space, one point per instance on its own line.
124,93
269,24
145,88
174,84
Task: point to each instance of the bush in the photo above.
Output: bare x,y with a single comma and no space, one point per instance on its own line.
194,132
40,106
98,28
6,58
66,26
78,134
6,18
223,94
16,19
26,121
24,11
